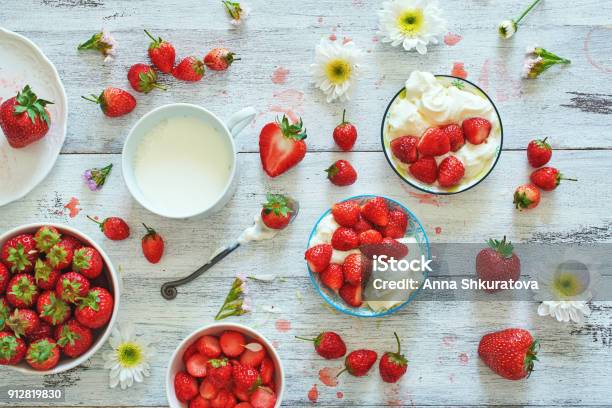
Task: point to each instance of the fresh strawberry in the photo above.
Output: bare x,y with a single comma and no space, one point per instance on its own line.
498,262
425,169
113,102
355,269
359,362
393,366
185,386
267,371
434,142
88,262
404,149
72,286
22,291
45,275
219,372
476,130
232,343
71,242
46,237
5,311
346,213
162,54
450,172
455,136
318,257
73,338
199,402
143,78
526,196
548,178
23,322
370,237
539,152
376,211
52,309
263,397
196,365
24,118
388,247
361,225
510,353
276,212
12,349
245,377
219,59
242,395
351,294
333,277
341,173
281,146
43,330
252,358
60,255
190,351
345,134
152,245
113,227
5,277
344,239
208,390
328,345
43,355
189,69
19,253
224,399
96,309
396,228
209,346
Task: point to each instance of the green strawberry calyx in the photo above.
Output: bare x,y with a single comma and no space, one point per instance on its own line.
91,300
156,43
503,247
543,144
531,356
70,289
521,200
42,271
67,335
218,362
28,102
4,313
81,261
277,204
8,345
23,290
46,239
148,81
397,358
41,350
18,324
292,131
18,258
56,309
57,255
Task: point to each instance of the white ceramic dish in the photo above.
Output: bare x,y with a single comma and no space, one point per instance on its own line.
22,63
176,362
100,335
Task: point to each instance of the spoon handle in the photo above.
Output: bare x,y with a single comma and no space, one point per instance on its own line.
168,289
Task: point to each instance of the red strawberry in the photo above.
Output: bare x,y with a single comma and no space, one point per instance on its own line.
498,262
209,346
361,225
393,366
371,237
425,169
263,397
405,149
71,286
199,402
388,247
328,345
196,365
434,142
113,227
253,358
189,69
43,354
455,136
224,399
219,59
267,371
344,239
52,309
143,78
185,386
539,152
60,255
45,275
43,330
190,351
88,262
96,309
548,178
318,257
162,54
71,242
152,245
450,172
276,212
333,277
73,338
526,196
359,362
476,130
242,395
232,343
22,291
345,134
355,269
346,213
12,349
510,353
219,372
245,377
5,311
5,277
281,146
19,253
341,173
24,118
23,322
208,390
376,211
45,237
113,101
351,294
396,228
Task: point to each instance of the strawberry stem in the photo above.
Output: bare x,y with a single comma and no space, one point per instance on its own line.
93,98
343,115
343,370
304,338
156,40
399,347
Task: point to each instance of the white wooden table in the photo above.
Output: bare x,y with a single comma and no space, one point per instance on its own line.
572,106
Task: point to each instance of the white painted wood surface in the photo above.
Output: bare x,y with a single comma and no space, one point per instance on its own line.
575,362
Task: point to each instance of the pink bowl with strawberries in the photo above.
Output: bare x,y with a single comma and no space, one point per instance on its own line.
225,364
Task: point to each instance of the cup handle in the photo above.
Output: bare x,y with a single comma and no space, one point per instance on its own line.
240,119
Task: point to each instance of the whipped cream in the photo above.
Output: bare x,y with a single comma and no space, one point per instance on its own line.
257,232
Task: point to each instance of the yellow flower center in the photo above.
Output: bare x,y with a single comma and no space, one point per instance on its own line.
338,71
567,284
129,354
410,22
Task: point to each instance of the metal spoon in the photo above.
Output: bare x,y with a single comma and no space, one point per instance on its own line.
168,289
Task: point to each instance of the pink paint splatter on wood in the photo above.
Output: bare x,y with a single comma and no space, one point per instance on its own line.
313,394
327,376
463,358
346,40
394,403
339,395
459,70
275,344
379,82
483,79
289,102
279,76
589,57
375,39
333,37
509,87
438,230
320,19
282,325
358,3
72,207
452,39
451,378
426,198
449,341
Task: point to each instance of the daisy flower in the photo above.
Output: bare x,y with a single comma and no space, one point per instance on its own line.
96,177
564,311
102,42
128,361
538,60
336,67
238,12
411,23
507,28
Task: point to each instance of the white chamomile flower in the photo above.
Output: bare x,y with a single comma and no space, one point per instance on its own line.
128,361
103,42
507,28
336,67
411,23
564,311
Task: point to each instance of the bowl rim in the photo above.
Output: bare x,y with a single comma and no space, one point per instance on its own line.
349,311
114,280
226,326
423,189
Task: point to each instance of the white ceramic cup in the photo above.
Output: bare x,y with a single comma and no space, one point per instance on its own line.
228,131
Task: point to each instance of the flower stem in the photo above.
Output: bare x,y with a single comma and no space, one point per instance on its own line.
527,11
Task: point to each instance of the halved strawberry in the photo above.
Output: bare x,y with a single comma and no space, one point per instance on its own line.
253,358
476,130
185,386
232,343
371,237
425,169
196,365
208,390
405,149
434,142
398,222
455,136
346,213
389,247
355,269
333,277
267,371
224,399
263,397
351,294
190,351
209,346
344,239
376,211
281,146
199,402
242,395
450,172
318,257
362,225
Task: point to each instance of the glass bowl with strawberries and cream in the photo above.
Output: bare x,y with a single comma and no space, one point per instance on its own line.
441,134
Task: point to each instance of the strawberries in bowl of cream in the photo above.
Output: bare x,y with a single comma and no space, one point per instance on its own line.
441,134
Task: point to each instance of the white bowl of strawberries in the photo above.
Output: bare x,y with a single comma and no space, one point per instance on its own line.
225,365
59,298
